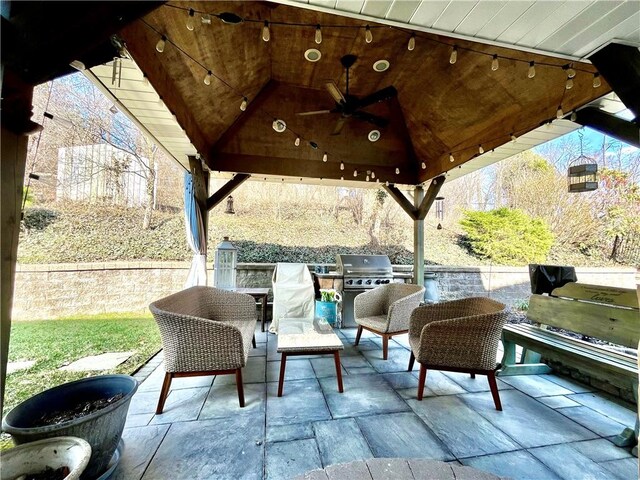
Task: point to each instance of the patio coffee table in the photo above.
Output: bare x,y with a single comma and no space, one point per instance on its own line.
306,336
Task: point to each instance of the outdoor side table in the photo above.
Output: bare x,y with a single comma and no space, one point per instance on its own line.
306,336
259,294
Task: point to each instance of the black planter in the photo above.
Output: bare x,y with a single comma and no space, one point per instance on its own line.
102,428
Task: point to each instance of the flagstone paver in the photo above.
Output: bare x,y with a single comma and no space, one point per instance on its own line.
13,367
104,361
203,432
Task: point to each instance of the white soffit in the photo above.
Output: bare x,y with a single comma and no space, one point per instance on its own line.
138,100
571,29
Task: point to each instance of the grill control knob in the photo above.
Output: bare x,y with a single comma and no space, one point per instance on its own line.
359,282
378,282
349,282
368,282
386,281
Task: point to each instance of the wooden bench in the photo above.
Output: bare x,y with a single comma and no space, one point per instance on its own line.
606,313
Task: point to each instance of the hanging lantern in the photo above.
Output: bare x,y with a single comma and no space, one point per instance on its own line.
229,208
582,174
224,268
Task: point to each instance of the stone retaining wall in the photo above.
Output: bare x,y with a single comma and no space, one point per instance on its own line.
57,290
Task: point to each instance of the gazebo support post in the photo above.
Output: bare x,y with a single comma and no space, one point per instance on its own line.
418,212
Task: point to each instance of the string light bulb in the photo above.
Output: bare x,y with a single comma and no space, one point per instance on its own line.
424,166
190,20
373,174
318,35
569,84
297,142
513,138
355,173
451,159
480,149
368,36
207,78
412,42
266,32
574,116
243,105
532,70
570,71
494,63
367,177
325,157
596,80
161,44
559,112
453,58
387,183
397,171
145,81
341,165
342,178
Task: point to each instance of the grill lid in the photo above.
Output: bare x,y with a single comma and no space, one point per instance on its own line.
369,265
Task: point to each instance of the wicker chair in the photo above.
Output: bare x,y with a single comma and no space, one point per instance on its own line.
205,331
458,336
385,310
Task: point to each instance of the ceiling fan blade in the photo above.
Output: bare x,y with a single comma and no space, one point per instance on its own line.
374,119
339,125
315,112
379,96
335,92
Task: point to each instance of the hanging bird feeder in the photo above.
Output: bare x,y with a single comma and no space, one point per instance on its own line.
582,174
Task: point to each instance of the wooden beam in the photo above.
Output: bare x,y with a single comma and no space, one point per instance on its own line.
201,189
418,236
402,200
430,197
620,66
226,189
608,124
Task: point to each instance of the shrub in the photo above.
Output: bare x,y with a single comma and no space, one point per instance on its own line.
507,236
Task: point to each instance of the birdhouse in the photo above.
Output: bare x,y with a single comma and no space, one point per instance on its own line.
224,271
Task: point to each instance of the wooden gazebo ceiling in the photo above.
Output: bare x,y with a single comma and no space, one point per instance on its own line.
440,107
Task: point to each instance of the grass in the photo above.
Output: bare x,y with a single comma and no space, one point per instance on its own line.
55,343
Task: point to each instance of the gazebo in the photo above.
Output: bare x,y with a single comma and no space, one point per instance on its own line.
397,95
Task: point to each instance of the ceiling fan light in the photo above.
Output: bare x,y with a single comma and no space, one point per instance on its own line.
374,135
313,54
279,125
381,65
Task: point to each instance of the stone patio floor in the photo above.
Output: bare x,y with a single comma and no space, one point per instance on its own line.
551,427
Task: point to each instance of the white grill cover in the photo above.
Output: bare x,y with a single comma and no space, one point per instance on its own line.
293,293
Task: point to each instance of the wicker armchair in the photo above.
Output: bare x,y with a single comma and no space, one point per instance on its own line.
385,310
458,336
205,331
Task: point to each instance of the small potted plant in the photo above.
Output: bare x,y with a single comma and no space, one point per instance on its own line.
327,306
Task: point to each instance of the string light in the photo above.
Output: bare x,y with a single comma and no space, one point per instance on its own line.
342,178
387,183
355,173
325,157
243,105
412,42
145,81
368,36
161,44
559,112
318,35
569,84
397,171
341,165
574,116
207,78
480,149
513,138
570,71
494,63
190,18
367,177
424,166
373,174
266,33
596,80
532,70
451,159
297,142
454,55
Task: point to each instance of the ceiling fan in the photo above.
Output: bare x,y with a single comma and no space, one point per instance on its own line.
349,106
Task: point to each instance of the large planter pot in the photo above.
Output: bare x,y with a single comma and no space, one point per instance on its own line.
54,453
102,428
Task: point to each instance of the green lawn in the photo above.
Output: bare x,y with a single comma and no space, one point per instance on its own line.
55,343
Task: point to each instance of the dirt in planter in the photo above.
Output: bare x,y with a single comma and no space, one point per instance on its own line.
48,474
80,410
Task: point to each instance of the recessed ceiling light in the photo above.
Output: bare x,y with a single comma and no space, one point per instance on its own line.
313,55
374,135
279,125
381,65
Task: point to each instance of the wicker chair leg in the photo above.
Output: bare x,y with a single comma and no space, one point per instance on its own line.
473,375
166,384
253,341
358,335
421,381
240,387
385,347
412,359
491,376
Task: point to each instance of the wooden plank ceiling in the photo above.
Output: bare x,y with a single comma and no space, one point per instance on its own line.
441,108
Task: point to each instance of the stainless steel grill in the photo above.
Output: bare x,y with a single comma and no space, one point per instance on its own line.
361,273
